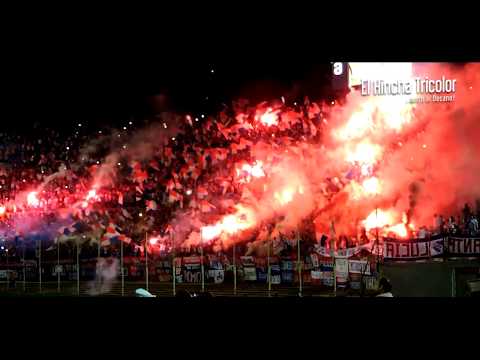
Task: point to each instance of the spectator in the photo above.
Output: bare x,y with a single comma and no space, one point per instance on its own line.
385,288
467,213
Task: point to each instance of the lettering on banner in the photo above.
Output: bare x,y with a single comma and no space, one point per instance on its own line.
358,267
415,250
463,246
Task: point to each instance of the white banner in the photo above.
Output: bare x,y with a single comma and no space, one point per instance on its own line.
371,247
341,267
462,246
217,275
358,267
412,249
250,273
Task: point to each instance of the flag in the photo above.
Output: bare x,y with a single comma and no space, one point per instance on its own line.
126,214
196,173
223,130
225,186
277,246
154,165
170,185
202,191
92,170
202,162
169,229
66,230
313,110
111,235
139,248
205,206
151,205
52,247
168,152
140,175
184,170
333,237
125,239
174,196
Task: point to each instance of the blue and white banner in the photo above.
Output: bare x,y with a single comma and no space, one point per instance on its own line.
413,249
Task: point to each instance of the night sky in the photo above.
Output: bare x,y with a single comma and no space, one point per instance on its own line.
59,85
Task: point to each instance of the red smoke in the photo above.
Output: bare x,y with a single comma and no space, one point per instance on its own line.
413,161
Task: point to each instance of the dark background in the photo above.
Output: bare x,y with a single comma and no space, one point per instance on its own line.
102,68
58,83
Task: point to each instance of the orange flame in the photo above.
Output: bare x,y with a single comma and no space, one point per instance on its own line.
383,219
243,219
378,219
399,229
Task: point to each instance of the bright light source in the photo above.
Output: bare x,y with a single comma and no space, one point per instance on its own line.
32,199
130,123
119,164
140,214
68,147
79,125
202,116
124,128
188,192
153,240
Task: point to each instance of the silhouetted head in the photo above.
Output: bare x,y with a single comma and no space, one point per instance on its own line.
385,285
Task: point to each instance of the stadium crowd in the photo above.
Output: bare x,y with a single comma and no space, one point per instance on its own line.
189,171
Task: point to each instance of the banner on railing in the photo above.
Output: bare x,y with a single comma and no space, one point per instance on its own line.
391,249
462,246
372,247
413,249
